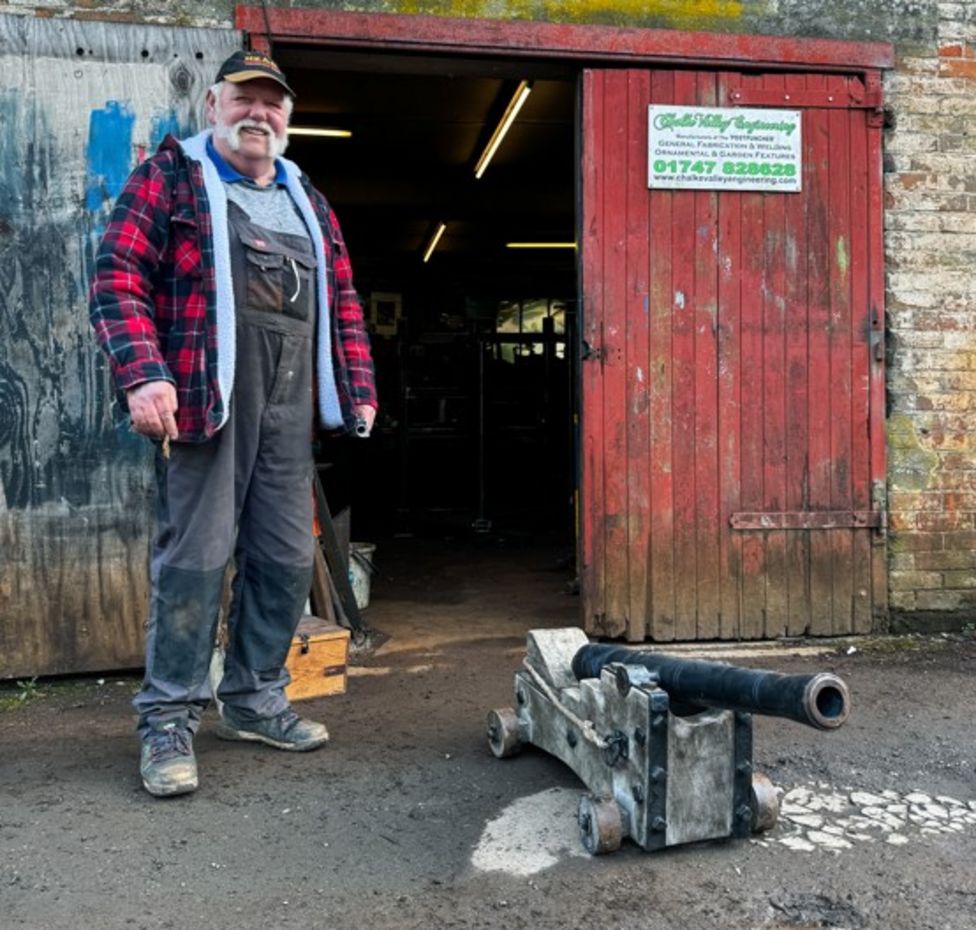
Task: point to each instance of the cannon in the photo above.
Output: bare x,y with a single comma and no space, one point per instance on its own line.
662,744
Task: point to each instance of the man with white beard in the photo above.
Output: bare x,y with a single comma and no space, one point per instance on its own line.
223,298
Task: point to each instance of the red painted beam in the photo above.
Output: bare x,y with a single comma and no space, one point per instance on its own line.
589,44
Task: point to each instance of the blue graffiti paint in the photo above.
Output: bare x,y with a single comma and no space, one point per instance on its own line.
161,125
109,153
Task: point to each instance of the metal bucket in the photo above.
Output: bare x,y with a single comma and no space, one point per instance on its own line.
361,570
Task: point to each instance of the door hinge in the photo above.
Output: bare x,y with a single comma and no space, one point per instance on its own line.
806,520
855,95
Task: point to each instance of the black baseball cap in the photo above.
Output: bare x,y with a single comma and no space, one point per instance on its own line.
247,66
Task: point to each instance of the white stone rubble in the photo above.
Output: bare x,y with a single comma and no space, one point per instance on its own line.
817,817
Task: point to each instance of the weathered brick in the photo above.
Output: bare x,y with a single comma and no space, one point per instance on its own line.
921,66
906,562
960,579
913,221
958,462
917,581
946,324
938,163
957,68
959,501
916,339
902,600
958,223
957,403
915,542
937,522
960,541
943,201
940,600
956,106
957,480
902,522
914,142
938,282
930,501
963,340
940,561
961,381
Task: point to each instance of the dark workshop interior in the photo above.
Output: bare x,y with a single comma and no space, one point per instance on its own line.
474,340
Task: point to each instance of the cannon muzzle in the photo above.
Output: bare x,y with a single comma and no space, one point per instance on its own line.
821,700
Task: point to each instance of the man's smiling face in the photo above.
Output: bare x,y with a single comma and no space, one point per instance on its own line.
250,120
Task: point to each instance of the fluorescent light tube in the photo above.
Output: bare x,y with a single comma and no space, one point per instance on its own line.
508,117
434,240
313,131
540,245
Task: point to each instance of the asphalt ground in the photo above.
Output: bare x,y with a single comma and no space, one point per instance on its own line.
407,821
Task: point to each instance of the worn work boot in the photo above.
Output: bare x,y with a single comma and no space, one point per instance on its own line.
286,731
168,766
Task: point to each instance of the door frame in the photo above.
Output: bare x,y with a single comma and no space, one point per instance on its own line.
593,45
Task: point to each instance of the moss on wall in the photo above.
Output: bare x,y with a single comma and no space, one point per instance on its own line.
910,465
910,24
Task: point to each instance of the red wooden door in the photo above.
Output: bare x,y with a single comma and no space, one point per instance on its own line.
732,382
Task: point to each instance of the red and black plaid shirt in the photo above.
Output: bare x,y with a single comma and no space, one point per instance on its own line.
153,295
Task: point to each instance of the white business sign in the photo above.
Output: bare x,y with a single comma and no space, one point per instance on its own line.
724,149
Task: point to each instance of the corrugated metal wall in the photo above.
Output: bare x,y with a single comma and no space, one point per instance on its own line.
80,104
735,375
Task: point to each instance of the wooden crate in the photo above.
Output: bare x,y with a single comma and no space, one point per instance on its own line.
317,660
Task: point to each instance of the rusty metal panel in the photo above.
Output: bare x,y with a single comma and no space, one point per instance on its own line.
80,104
806,520
750,443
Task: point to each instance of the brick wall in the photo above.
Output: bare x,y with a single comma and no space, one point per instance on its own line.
930,217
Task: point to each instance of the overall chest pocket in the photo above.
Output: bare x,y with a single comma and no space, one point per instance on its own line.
265,279
280,282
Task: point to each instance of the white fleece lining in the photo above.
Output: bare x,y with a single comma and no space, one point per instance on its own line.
329,409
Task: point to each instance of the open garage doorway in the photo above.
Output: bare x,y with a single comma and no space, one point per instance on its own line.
468,275
730,335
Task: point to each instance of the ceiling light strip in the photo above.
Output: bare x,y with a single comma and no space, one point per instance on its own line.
540,245
322,133
511,111
434,240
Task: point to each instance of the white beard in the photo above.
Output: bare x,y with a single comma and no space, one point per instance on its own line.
232,134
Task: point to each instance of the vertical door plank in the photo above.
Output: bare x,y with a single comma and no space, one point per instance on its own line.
706,400
797,396
615,463
773,247
728,401
839,263
638,357
683,392
862,541
661,291
816,183
591,375
751,467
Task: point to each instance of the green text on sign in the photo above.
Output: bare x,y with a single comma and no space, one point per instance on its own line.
724,148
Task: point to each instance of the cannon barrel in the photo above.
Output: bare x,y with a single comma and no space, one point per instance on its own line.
821,700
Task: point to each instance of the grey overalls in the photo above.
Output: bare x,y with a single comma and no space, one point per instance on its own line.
253,475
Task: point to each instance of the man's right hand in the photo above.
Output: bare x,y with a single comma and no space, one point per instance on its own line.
152,406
